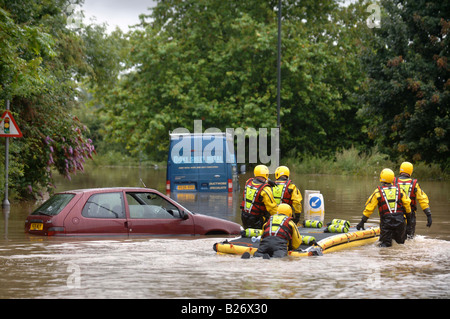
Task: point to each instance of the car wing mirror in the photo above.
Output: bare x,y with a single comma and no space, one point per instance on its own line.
178,213
184,215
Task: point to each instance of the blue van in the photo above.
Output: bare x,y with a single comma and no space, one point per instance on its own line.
201,162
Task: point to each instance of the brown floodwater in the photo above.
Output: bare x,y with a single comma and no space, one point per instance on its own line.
151,267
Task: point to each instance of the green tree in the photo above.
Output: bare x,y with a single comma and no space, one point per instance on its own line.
107,54
20,57
407,93
40,64
216,61
321,77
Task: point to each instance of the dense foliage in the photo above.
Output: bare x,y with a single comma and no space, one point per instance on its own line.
345,85
407,90
41,62
216,61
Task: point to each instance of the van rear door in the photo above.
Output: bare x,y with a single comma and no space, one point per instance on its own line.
206,169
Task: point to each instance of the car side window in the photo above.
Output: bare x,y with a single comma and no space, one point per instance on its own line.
150,206
104,205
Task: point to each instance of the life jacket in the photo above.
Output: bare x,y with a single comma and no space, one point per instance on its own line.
390,200
281,192
278,225
409,187
252,202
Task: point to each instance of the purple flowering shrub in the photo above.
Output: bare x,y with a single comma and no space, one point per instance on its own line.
65,151
69,155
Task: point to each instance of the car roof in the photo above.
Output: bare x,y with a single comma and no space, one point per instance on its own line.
107,189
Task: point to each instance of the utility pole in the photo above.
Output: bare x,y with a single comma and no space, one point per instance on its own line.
279,66
279,78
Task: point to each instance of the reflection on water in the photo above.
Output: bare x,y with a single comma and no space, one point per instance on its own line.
222,205
35,267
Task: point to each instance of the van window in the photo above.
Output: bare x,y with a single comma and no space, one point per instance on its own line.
104,205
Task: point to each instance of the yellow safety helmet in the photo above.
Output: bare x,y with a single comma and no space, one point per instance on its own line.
280,171
284,209
387,176
261,170
407,168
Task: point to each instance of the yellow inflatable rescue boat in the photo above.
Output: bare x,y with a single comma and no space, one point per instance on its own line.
316,241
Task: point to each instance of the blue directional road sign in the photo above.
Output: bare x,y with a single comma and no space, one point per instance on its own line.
315,202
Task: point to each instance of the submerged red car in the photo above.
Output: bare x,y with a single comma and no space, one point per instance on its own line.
121,211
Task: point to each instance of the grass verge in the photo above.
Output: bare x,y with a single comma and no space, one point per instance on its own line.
353,162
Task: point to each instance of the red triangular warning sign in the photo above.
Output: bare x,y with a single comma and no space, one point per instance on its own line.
8,126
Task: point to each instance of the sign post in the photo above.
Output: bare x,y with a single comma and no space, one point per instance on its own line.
8,128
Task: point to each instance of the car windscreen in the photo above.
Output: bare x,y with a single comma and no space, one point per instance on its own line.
54,205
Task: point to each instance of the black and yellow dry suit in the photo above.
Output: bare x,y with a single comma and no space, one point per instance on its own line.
257,204
280,234
284,191
411,188
393,204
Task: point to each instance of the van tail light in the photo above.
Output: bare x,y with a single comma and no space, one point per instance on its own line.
230,200
167,186
230,186
52,231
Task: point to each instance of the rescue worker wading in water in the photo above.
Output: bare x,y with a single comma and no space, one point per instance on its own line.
392,205
258,203
411,188
286,192
280,234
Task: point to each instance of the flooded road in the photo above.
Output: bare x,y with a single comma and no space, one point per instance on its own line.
187,267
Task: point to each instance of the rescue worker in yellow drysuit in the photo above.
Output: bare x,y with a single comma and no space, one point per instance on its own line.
280,234
284,191
411,188
258,203
393,206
